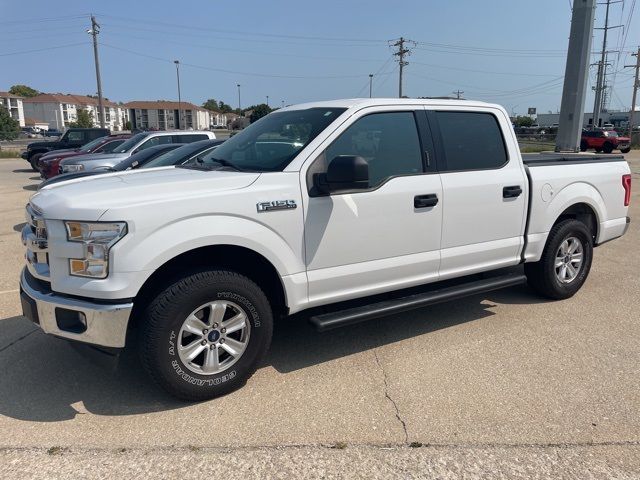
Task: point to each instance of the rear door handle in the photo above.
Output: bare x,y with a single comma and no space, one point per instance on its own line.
512,191
424,201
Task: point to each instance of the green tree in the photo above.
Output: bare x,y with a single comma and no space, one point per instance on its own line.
23,91
522,121
127,125
259,111
211,104
84,119
9,127
224,108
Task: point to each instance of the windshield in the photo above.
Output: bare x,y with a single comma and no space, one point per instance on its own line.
129,144
271,143
611,134
180,155
87,147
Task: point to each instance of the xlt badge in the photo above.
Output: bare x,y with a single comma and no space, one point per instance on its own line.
276,205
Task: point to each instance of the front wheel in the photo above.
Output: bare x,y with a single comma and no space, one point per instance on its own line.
565,262
607,147
625,150
205,334
583,146
34,161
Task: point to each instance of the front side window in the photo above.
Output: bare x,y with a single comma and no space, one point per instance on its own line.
471,141
87,147
271,143
132,142
389,142
110,146
152,142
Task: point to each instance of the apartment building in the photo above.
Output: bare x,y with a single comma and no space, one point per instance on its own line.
59,110
13,104
164,115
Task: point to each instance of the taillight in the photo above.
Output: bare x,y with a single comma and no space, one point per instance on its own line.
626,183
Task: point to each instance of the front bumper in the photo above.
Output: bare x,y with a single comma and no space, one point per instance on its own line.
103,324
25,155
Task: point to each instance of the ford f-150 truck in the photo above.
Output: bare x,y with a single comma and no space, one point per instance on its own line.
347,210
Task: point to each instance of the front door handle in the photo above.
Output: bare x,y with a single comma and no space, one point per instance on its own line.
424,201
512,191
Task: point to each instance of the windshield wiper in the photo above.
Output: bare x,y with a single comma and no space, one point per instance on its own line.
226,163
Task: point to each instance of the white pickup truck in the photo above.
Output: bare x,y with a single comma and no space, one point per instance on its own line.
356,206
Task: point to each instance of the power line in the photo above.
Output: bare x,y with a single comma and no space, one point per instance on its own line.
42,49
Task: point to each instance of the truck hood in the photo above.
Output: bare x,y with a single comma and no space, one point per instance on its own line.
89,198
47,145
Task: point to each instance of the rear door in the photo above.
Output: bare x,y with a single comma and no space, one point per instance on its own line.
484,191
387,236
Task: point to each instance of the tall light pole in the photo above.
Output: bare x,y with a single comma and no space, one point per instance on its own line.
282,103
267,100
370,84
94,31
239,107
180,116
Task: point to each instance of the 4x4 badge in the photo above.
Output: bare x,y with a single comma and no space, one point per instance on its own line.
276,205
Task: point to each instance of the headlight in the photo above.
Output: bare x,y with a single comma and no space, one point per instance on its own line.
72,168
97,239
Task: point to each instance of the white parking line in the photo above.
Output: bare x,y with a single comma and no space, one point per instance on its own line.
10,291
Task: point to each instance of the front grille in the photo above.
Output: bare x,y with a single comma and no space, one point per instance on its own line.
34,237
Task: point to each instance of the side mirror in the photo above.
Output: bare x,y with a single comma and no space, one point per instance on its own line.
344,173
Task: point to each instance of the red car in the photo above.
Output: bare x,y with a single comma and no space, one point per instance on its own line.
49,163
604,141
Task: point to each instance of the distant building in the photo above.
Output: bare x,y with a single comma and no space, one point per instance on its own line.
13,103
618,119
38,125
59,110
164,115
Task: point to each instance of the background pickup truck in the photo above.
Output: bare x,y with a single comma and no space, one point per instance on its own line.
604,141
344,210
72,138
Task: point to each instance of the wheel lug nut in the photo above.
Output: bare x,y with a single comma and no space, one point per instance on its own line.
204,342
212,347
205,331
215,325
222,340
224,330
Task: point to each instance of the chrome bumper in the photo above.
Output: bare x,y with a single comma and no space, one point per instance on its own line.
106,324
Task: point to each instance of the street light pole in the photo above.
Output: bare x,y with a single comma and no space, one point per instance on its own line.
267,100
370,84
239,104
180,116
282,103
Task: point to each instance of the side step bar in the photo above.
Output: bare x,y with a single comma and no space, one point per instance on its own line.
329,321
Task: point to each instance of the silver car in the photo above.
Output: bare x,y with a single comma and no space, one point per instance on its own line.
133,145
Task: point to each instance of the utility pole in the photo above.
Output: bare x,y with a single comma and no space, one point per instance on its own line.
370,84
180,116
457,93
576,76
239,108
636,85
402,52
602,68
94,31
267,100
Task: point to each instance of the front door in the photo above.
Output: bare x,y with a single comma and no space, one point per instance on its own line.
383,238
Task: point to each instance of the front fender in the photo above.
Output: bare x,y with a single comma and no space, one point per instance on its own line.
147,251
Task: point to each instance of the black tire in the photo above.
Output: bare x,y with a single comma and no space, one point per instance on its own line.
607,148
34,161
583,146
625,150
164,316
598,150
542,275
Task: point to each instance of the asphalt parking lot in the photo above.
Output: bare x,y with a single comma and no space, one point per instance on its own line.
506,384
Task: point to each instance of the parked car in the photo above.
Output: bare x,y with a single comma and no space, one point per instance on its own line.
72,138
135,144
309,207
49,163
137,160
604,141
166,155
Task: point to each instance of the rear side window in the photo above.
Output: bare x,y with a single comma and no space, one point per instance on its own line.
189,138
75,136
471,141
110,146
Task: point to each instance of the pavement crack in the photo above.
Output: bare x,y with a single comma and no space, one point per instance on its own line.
386,394
18,340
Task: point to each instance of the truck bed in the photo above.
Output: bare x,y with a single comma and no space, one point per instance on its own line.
549,159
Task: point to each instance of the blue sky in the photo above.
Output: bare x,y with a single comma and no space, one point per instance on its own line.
504,51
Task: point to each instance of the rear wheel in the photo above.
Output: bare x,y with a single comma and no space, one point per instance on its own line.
565,262
205,334
583,146
607,147
625,150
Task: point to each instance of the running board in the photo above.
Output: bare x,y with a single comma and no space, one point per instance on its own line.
350,316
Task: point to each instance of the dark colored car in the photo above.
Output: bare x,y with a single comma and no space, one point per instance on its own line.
134,161
188,153
49,163
604,141
72,138
52,132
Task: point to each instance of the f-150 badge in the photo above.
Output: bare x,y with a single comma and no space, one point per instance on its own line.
276,205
